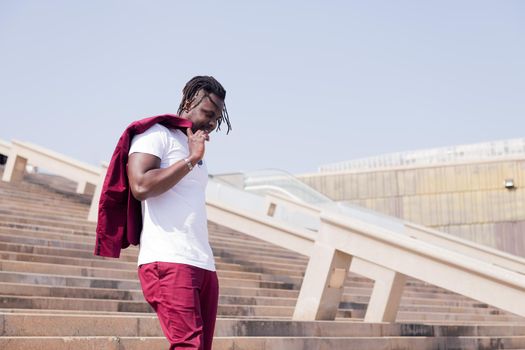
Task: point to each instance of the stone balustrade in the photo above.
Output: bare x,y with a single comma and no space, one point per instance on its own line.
344,244
20,154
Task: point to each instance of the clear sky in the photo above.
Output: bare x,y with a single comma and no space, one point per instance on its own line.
308,82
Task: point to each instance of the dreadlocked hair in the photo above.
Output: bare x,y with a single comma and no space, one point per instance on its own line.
210,85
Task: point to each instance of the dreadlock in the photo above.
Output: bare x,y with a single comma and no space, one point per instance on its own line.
210,85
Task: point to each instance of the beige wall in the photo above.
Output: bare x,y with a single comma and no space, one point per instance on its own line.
469,200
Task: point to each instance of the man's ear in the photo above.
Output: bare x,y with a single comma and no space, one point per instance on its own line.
187,105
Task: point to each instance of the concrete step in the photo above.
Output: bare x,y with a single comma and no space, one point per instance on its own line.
102,263
74,249
256,247
67,222
28,192
415,301
451,309
74,270
34,302
27,210
32,227
68,225
129,255
360,343
16,289
60,276
107,270
444,317
54,184
21,289
34,241
227,286
25,290
40,202
71,281
87,262
436,293
262,263
37,324
68,237
222,247
226,243
37,199
47,231
225,310
45,211
267,343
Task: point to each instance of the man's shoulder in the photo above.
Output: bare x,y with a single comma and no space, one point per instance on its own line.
167,120
166,126
159,128
155,130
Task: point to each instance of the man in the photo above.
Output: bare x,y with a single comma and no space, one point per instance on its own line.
167,174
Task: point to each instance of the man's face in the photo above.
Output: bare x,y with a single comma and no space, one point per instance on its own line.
204,111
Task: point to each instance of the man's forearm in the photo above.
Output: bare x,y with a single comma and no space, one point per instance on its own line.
156,181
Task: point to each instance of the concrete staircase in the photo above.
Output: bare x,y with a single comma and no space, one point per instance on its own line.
54,294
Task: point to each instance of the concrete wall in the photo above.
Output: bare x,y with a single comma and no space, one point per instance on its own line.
468,200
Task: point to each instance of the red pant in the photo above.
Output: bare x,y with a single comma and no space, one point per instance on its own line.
185,298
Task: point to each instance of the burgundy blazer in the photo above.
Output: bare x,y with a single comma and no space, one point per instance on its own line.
119,213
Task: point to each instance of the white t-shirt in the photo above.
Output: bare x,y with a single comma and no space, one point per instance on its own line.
175,222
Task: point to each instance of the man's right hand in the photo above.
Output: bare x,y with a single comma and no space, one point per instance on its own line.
196,144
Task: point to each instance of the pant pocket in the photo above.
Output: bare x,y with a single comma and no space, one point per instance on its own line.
149,282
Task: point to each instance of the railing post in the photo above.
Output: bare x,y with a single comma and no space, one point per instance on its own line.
387,291
93,209
84,187
14,168
81,187
323,284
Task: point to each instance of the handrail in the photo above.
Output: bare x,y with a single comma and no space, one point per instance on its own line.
87,176
485,253
54,161
492,272
261,227
305,207
446,240
50,154
415,246
451,270
425,234
380,247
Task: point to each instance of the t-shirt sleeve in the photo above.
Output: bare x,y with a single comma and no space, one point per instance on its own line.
152,141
